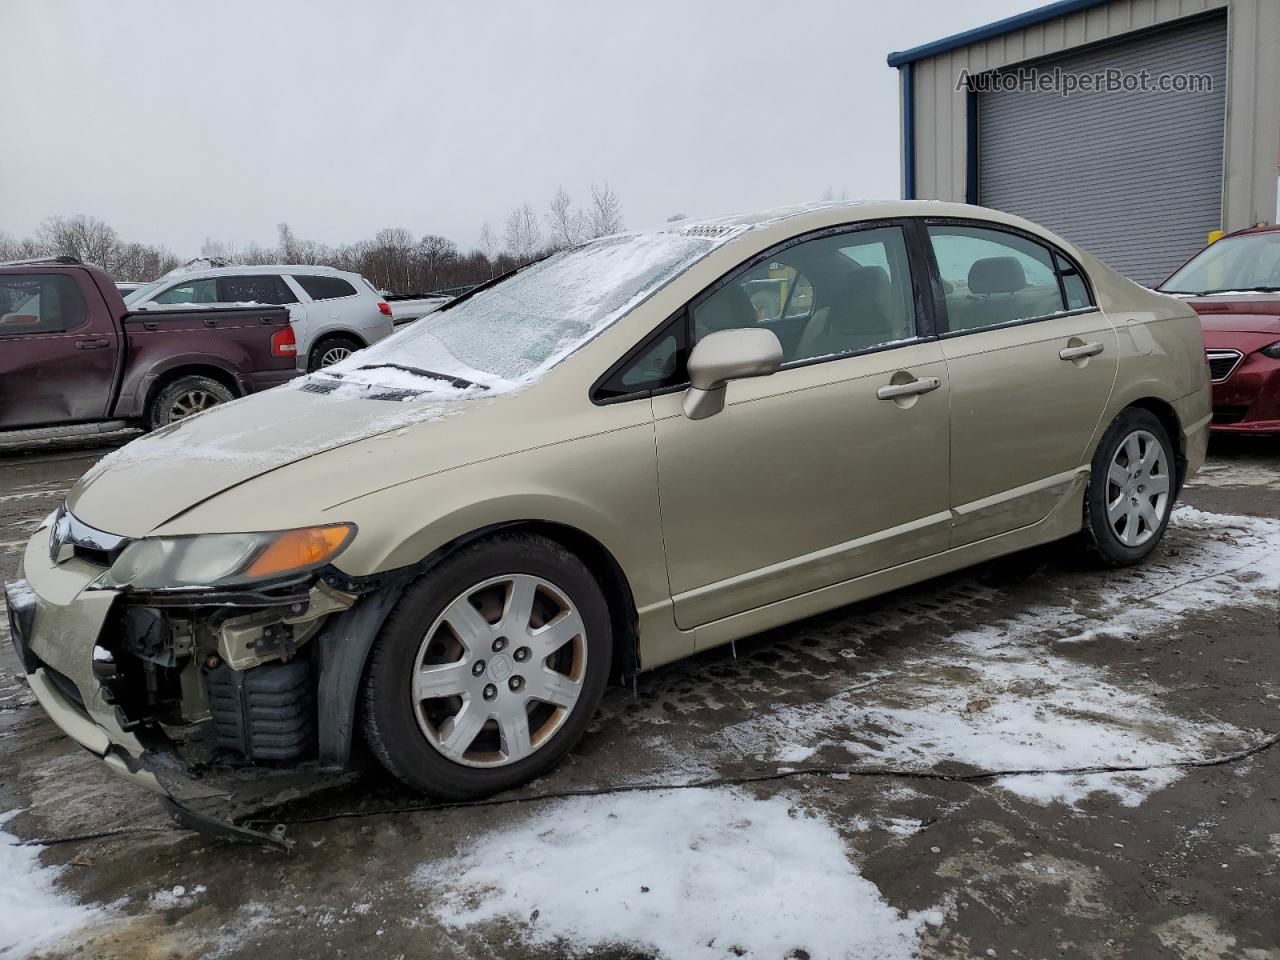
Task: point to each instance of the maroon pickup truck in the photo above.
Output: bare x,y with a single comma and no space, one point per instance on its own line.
74,361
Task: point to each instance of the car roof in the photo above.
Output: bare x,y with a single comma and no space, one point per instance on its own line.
239,270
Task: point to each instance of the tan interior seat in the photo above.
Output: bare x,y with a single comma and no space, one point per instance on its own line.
863,312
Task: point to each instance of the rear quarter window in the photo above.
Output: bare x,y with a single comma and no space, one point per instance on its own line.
324,288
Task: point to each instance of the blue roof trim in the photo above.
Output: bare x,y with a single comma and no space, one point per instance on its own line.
1000,27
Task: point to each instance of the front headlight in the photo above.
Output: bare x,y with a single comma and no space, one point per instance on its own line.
225,559
1272,351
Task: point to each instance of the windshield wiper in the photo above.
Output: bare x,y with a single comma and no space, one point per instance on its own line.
462,383
1210,293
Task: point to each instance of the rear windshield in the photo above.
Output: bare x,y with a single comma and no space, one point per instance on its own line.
526,323
1243,264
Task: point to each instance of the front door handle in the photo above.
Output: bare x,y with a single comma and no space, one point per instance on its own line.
1084,350
92,344
896,391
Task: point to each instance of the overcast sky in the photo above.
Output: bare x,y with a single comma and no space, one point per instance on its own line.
180,121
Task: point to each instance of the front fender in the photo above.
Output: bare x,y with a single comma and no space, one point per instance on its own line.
604,486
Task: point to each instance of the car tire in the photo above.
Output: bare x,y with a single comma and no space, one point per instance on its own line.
184,397
1132,487
422,678
330,350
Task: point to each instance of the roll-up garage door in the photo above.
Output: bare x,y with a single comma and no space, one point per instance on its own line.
1133,177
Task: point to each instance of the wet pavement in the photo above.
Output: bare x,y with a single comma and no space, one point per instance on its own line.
1033,758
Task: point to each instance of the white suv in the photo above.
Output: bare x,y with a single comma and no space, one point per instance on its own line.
333,313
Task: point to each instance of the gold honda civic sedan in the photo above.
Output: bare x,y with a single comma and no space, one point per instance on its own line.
448,544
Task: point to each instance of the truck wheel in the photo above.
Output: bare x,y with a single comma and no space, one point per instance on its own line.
186,396
488,669
329,351
1132,486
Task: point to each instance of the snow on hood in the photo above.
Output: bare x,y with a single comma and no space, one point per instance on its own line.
135,489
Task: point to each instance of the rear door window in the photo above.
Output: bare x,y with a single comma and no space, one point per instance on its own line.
266,288
992,277
324,288
40,303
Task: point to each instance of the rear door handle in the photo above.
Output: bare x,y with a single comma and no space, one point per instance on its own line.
1084,350
92,344
894,391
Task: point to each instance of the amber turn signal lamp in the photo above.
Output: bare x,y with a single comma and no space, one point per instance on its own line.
302,549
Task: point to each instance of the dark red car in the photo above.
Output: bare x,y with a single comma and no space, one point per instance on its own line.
74,361
1234,285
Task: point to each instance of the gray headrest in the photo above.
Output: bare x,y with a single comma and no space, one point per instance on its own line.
861,301
727,309
996,275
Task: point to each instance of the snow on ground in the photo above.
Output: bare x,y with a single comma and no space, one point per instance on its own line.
1002,698
686,873
33,913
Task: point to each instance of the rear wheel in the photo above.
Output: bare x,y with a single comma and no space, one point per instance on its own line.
329,351
1131,489
184,397
489,668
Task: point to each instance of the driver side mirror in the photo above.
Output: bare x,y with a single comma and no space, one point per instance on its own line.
723,356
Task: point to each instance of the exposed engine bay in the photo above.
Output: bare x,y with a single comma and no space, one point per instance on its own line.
242,665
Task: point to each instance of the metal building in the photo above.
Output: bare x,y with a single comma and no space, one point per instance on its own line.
1136,171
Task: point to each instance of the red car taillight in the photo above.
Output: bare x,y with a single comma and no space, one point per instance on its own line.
284,343
384,308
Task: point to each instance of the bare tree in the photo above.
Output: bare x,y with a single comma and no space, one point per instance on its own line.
435,255
567,225
86,238
488,241
26,248
523,235
830,194
606,212
676,216
289,252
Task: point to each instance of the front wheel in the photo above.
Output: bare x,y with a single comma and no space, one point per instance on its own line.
488,669
1131,489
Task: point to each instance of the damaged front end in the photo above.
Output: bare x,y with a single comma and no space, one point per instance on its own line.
187,663
240,661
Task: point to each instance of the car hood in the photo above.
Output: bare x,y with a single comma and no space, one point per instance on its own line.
154,479
1239,313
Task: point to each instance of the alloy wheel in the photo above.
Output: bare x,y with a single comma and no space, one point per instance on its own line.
191,402
1137,488
499,671
333,355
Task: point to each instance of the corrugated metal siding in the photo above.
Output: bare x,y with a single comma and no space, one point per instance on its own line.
1135,178
1253,93
940,108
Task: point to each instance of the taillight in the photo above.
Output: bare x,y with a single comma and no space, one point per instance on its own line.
384,308
284,343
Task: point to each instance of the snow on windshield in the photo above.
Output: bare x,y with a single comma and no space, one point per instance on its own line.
524,325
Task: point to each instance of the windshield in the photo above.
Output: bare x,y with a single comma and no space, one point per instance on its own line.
525,324
1245,263
144,291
